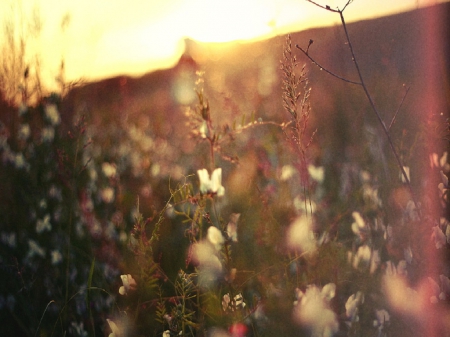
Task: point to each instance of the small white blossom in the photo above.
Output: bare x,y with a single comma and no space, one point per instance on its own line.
56,257
114,328
9,239
300,235
382,318
52,114
44,224
47,134
215,236
237,303
312,309
109,170
35,249
351,306
287,172
317,173
213,185
128,284
107,195
359,227
24,132
232,226
402,177
439,237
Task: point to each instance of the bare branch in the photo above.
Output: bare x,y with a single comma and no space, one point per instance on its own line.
398,109
378,115
325,69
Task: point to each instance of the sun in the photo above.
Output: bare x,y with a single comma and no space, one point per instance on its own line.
224,21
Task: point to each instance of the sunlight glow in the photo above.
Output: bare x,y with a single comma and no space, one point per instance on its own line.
104,38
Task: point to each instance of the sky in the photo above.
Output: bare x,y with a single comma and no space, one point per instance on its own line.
105,38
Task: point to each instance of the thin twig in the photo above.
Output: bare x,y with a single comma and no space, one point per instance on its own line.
325,69
398,109
380,120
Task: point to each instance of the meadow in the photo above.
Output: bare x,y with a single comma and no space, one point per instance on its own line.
299,190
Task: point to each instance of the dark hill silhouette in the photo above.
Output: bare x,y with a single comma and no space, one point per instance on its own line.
405,50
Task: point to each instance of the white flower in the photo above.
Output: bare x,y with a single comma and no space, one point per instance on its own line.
402,177
382,318
107,194
43,224
362,256
47,134
52,114
359,227
232,226
128,284
312,309
9,239
439,237
213,185
114,328
287,172
210,266
238,302
300,235
203,130
56,257
166,333
316,173
351,306
215,237
35,249
19,160
24,132
109,170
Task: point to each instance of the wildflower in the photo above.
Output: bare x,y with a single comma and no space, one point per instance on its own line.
52,114
203,130
213,185
435,161
215,237
9,239
402,177
109,170
439,237
238,302
316,172
47,134
107,194
300,235
56,257
382,318
436,291
238,330
362,256
351,306
232,226
43,224
359,227
114,328
35,249
128,284
78,329
312,309
287,172
205,254
19,161
24,132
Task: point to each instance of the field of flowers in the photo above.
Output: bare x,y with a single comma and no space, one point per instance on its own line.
222,225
